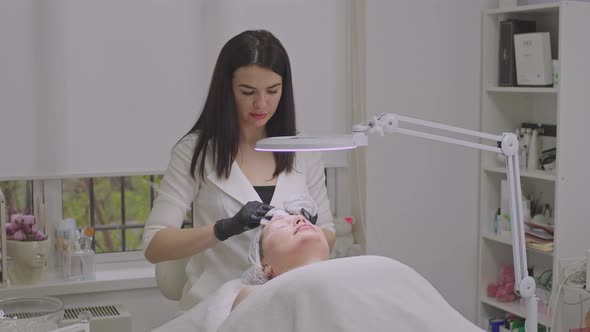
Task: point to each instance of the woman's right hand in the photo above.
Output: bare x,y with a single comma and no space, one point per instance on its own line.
246,219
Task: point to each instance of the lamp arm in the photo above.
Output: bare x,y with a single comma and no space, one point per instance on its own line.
507,145
525,285
389,123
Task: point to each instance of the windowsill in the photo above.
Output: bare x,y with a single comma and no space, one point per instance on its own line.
109,277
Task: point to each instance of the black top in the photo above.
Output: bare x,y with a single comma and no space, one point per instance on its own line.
265,193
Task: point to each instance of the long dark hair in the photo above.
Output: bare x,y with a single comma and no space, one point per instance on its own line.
218,122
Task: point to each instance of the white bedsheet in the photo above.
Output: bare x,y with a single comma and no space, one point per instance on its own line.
207,315
365,293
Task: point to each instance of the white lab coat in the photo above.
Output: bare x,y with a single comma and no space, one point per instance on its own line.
216,199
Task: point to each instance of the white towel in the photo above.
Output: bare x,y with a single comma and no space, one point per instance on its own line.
364,293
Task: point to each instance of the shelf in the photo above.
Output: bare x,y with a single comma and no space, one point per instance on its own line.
541,175
521,89
543,8
509,242
512,307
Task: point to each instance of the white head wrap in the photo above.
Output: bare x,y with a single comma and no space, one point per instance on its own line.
293,206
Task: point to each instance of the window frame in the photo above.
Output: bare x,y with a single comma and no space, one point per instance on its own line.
50,193
47,193
121,227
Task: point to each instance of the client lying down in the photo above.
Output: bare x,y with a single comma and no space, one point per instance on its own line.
292,286
300,290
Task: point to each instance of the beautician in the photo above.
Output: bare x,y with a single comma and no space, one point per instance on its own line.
230,184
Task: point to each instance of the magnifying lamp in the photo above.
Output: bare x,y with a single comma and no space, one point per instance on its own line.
505,144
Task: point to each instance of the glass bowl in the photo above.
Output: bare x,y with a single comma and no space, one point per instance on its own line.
30,314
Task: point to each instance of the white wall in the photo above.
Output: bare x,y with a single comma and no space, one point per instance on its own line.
423,61
315,34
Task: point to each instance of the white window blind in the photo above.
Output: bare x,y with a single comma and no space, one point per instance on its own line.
109,86
18,132
127,89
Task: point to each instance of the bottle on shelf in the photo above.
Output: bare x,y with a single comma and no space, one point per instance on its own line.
521,148
504,230
527,143
496,223
533,155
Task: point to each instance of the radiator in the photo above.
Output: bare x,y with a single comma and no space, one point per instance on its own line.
107,318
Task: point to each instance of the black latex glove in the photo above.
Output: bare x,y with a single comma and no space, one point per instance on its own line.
308,216
247,218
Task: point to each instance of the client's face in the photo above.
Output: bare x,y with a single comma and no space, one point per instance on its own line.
291,241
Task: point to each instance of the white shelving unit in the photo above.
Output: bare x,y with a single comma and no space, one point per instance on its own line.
503,109
509,89
515,308
540,175
507,241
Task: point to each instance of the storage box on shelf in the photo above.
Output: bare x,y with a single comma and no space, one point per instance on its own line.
507,108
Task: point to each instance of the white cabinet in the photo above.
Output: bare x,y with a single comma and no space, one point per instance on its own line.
567,106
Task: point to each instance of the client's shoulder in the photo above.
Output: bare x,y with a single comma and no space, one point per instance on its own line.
358,265
243,294
371,261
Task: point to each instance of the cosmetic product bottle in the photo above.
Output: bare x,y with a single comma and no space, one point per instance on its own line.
496,224
526,209
527,143
504,224
521,149
533,156
555,64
